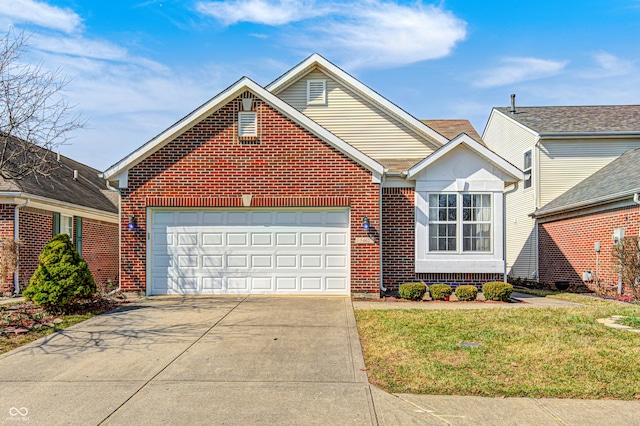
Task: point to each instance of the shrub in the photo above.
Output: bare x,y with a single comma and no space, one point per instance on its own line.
412,291
497,290
62,278
439,291
465,293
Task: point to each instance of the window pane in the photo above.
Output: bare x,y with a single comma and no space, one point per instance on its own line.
527,160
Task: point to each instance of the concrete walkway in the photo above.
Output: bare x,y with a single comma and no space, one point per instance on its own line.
197,360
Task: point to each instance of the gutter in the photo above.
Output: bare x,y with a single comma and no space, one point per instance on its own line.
16,237
117,191
504,228
572,135
589,203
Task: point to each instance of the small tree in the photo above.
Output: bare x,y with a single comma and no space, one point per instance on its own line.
62,278
626,259
35,117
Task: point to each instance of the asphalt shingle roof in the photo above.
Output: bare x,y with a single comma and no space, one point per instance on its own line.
577,119
450,128
620,176
89,190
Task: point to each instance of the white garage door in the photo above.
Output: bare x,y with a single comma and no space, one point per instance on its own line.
301,251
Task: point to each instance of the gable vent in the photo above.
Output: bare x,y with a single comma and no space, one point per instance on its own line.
247,124
316,92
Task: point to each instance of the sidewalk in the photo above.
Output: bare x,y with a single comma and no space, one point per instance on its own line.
405,409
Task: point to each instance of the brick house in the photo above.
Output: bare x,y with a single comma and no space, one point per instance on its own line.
71,199
602,208
557,147
314,184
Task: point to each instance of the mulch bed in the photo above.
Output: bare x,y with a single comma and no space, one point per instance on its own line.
22,317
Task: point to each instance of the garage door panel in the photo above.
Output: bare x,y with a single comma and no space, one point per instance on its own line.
310,239
212,261
261,239
297,251
212,239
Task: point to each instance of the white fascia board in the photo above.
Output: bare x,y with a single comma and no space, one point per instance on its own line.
478,148
316,60
610,198
218,102
50,204
514,121
589,135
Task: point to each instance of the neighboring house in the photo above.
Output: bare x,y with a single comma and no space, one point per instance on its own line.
70,199
556,147
587,217
314,184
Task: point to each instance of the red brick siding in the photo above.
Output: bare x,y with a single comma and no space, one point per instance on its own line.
398,236
36,230
6,231
100,249
398,245
567,246
207,166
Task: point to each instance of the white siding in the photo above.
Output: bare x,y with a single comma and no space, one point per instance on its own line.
357,121
510,141
460,170
565,163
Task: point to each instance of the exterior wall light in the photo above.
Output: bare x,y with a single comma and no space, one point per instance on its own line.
365,224
133,223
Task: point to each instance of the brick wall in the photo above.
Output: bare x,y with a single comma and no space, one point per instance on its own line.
36,230
6,231
398,246
207,167
100,249
567,246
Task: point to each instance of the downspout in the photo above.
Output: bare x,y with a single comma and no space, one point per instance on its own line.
504,229
536,200
117,191
16,237
382,287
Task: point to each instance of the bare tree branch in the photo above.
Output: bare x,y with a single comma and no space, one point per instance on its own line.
35,115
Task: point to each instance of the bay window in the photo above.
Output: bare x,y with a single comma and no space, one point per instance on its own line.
459,223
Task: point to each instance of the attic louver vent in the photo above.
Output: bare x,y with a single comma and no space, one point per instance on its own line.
316,92
247,124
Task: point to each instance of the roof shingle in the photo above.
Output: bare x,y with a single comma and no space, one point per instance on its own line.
577,119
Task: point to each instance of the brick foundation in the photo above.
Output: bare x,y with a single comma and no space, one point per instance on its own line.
567,246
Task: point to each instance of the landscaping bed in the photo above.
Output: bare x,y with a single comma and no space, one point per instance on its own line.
24,322
541,352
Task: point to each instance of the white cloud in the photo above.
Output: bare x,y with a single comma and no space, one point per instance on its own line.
41,14
609,65
516,69
265,12
377,33
362,33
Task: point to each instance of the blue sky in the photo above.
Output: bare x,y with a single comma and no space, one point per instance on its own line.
136,67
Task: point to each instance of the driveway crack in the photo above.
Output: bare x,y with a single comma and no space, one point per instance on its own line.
173,360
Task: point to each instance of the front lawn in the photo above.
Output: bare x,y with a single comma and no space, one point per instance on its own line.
527,352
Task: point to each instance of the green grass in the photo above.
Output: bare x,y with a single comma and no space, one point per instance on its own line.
541,293
633,322
551,352
9,342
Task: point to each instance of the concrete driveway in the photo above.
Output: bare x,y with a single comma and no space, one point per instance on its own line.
196,360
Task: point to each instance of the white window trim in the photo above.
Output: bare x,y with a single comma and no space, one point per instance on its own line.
247,129
460,226
530,170
63,227
322,101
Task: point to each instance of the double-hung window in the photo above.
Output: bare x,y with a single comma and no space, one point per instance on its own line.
460,223
66,225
